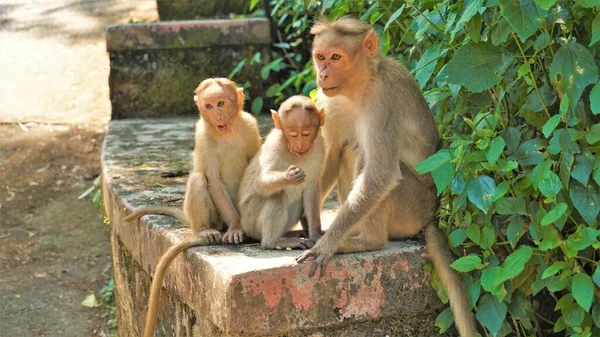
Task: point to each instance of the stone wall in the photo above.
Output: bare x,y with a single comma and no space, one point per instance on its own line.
155,67
197,9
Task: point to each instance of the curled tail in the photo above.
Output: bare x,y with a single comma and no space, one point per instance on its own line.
159,276
170,211
438,250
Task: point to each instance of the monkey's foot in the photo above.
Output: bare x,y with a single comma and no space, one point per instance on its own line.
234,236
320,259
294,243
212,235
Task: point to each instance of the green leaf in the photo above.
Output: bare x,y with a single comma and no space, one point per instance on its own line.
549,184
586,200
596,314
584,164
501,190
480,192
595,99
542,41
495,150
473,28
572,69
550,240
427,63
513,265
582,239
525,16
434,161
444,320
473,290
553,269
457,237
595,30
500,32
264,72
393,17
466,263
582,289
512,137
516,229
257,105
253,4
474,232
593,136
470,8
237,69
554,214
545,4
90,301
561,141
588,3
550,125
475,66
511,205
487,237
491,313
529,153
596,276
442,176
274,89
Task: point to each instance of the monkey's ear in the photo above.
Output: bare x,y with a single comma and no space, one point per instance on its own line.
240,98
321,116
371,44
195,98
275,116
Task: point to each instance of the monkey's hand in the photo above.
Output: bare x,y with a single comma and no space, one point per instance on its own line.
295,175
233,235
212,235
321,256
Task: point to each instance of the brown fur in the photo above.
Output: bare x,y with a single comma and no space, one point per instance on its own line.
226,139
394,129
283,181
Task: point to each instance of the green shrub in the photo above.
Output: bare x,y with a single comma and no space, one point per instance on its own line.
514,88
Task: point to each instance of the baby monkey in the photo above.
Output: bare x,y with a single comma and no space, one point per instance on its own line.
226,139
283,181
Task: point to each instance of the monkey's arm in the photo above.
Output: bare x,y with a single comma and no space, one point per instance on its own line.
271,182
312,209
330,174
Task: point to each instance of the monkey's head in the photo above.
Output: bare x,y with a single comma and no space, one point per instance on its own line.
341,53
218,101
299,120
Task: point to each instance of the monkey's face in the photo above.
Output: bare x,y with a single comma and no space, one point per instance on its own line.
340,62
299,120
218,103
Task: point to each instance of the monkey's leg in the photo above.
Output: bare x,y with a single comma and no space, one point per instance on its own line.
371,233
414,207
273,218
199,208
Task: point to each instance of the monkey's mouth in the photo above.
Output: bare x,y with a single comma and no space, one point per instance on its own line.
330,88
222,127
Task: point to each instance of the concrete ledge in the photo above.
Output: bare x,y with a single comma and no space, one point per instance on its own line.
195,9
243,290
187,34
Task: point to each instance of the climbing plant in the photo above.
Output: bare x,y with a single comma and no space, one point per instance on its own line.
514,87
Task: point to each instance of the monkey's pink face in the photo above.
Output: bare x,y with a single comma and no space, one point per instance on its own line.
332,67
299,120
217,105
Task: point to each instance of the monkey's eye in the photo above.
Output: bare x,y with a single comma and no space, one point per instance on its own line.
336,56
293,135
220,103
306,134
320,57
208,106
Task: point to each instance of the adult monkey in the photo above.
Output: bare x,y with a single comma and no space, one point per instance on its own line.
394,130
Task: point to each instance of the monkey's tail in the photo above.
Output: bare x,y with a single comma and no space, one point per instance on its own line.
170,211
159,275
438,249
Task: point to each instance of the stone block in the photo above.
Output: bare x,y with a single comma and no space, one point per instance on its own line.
155,67
197,9
242,290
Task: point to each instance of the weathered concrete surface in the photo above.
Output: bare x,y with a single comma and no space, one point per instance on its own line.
155,67
196,9
242,290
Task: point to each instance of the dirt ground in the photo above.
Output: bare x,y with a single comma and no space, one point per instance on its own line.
54,111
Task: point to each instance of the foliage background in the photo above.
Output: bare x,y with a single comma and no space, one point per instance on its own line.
514,88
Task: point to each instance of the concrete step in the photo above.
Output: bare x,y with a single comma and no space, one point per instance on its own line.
242,290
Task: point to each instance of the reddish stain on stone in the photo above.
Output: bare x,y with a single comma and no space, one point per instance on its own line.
368,298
